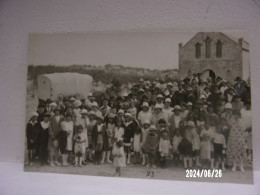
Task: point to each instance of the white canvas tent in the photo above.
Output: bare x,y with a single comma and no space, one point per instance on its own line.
68,84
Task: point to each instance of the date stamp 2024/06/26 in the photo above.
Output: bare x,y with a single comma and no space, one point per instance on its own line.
206,173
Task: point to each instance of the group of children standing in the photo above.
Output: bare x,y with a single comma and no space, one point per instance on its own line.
148,127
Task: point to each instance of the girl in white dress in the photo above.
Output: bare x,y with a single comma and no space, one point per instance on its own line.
119,156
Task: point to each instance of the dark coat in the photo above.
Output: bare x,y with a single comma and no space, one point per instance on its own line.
32,135
130,130
95,135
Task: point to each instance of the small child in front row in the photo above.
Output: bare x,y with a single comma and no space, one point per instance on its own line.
164,147
151,148
119,160
80,145
219,143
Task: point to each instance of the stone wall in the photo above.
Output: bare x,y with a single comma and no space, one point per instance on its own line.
231,56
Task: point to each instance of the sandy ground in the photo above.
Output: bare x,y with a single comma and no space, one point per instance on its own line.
138,171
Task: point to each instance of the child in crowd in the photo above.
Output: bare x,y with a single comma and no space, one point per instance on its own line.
185,148
119,160
219,144
151,148
164,147
175,143
80,145
144,131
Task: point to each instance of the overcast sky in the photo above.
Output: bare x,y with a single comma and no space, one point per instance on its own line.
155,50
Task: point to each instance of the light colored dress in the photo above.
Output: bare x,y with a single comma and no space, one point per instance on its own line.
137,142
206,145
84,123
80,147
164,147
110,134
143,116
68,127
119,156
236,146
144,134
119,132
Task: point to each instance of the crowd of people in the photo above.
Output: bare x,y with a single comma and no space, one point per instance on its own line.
190,123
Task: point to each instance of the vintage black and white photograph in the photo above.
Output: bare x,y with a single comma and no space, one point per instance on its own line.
148,105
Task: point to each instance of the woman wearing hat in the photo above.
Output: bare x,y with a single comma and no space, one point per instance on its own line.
77,110
66,138
43,138
145,114
228,112
32,133
157,115
54,131
94,108
175,120
236,146
167,110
